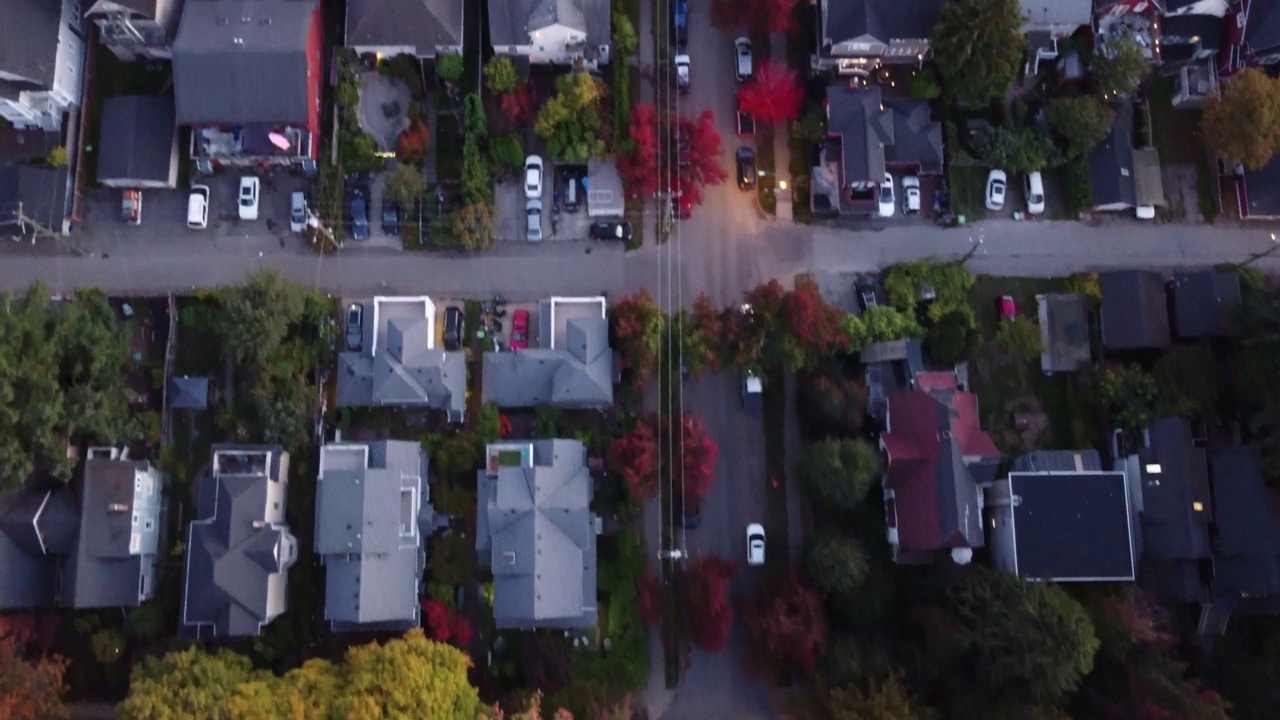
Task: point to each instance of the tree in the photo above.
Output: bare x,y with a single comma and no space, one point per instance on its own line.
983,45
698,454
477,183
884,699
838,472
831,405
837,564
411,143
954,337
474,121
1018,151
1020,338
625,40
571,121
649,598
405,185
500,75
445,625
772,95
880,323
636,332
1188,380
255,317
1024,641
449,67
187,683
30,689
696,348
818,328
1242,121
1118,67
505,152
761,16
706,321
923,84
699,142
788,628
520,105
710,613
638,166
407,677
812,126
473,226
1081,121
57,157
634,456
1127,393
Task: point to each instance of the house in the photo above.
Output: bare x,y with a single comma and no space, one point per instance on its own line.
137,29
1246,550
1171,476
890,367
855,37
423,28
1120,176
536,531
41,62
1193,37
92,546
1259,191
1059,517
556,32
399,363
1203,303
571,368
188,393
246,80
239,548
867,135
1064,332
143,151
1260,41
370,499
936,461
35,199
1045,22
1135,313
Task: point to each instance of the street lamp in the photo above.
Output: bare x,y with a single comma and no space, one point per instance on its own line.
1255,257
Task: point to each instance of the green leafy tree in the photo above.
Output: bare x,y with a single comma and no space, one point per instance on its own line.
831,405
57,157
625,40
358,151
924,84
408,677
839,472
473,226
405,185
1015,151
571,121
347,94
190,683
1242,121
837,564
1127,392
1118,67
474,122
1081,121
981,47
1020,338
477,183
812,126
881,323
500,75
907,284
255,317
954,337
506,153
1188,380
449,68
884,699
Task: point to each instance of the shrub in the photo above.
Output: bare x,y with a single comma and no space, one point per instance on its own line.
500,75
449,68
1020,338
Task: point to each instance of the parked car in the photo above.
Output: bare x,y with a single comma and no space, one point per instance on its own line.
680,22
1145,212
910,195
533,177
359,214
682,73
681,207
520,329
997,183
742,59
887,206
297,211
452,327
390,217
611,231
533,220
755,544
1007,308
691,516
752,392
198,207
866,294
1035,193
355,326
746,160
250,188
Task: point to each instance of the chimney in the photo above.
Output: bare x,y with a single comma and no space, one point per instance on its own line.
117,508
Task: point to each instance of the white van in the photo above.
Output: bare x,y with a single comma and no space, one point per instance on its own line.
1035,193
297,211
198,207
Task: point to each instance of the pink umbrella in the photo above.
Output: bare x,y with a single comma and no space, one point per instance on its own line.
278,140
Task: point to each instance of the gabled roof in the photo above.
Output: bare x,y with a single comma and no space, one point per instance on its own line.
35,528
1111,163
536,531
1204,302
1134,310
239,62
936,457
1246,554
1203,31
1262,27
881,20
368,498
864,126
406,369
188,393
917,138
29,40
1176,505
1064,332
512,21
142,130
421,24
580,374
39,191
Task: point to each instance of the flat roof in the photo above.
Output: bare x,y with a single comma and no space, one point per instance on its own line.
1072,526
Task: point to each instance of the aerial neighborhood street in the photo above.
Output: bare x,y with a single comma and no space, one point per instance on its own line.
614,359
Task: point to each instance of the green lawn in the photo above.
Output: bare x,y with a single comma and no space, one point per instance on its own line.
967,185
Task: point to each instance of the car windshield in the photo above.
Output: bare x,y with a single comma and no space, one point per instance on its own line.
1036,199
246,198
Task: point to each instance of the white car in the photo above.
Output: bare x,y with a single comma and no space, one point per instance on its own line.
910,195
742,59
682,73
249,190
1035,193
887,206
533,177
198,207
997,184
533,220
755,544
1145,212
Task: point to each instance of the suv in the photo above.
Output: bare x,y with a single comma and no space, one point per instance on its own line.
746,160
680,22
452,328
359,215
742,59
390,217
297,211
355,326
682,73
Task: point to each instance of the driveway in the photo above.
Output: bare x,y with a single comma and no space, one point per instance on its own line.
383,109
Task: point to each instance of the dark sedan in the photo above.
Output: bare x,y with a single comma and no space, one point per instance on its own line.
746,161
390,217
620,231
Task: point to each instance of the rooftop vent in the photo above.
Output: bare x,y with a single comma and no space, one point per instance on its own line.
117,508
509,557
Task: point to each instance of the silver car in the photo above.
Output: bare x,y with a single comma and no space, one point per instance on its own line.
533,217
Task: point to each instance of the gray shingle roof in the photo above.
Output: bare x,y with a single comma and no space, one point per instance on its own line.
1050,13
1111,163
188,393
28,561
40,191
29,40
1203,303
421,24
1246,554
865,127
511,21
1064,332
138,138
580,374
917,138
882,20
434,378
537,533
1172,528
238,62
372,569
1135,311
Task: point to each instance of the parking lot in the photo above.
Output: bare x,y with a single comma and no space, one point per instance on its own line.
571,223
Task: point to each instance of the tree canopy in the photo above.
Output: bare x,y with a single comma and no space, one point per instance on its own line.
1081,121
1242,121
571,120
979,47
839,472
1118,67
773,95
837,564
29,689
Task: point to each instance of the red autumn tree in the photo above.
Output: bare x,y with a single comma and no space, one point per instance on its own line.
698,149
411,144
699,457
634,456
706,322
649,598
636,325
710,613
520,105
445,625
773,95
638,167
788,628
817,327
29,689
762,16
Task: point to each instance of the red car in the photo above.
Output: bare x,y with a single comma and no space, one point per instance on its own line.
1008,310
520,330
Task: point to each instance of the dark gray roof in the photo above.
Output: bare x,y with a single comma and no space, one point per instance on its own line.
29,40
536,531
405,371
119,500
421,24
1246,553
227,70
1195,30
40,191
882,20
917,139
865,127
890,367
239,550
1059,461
1204,302
1172,529
1134,310
188,393
1262,28
1047,13
137,138
1262,189
511,21
35,528
367,533
579,374
1064,332
1072,526
1111,163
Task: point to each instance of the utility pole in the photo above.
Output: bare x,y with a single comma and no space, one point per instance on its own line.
972,251
1255,257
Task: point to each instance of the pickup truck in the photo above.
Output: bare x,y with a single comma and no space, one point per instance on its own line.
682,73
